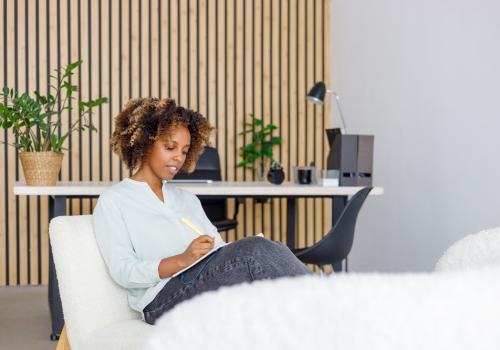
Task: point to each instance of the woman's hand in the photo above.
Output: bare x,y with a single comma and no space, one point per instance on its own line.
198,247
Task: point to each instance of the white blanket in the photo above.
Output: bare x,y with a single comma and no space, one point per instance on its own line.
442,310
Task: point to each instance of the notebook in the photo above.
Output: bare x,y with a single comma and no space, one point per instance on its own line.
205,256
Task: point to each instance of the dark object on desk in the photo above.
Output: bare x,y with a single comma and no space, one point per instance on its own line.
337,244
352,156
304,175
208,168
276,175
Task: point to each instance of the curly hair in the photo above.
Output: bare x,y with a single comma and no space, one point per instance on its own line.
145,120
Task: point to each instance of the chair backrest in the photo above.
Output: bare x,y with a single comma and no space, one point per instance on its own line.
337,243
90,298
208,168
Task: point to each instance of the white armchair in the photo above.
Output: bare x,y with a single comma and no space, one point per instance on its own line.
96,311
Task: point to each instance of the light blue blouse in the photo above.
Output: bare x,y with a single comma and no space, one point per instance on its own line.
135,230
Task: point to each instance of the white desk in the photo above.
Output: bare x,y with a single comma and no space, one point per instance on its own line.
63,190
216,188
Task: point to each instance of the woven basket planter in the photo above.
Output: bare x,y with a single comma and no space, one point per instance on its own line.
41,168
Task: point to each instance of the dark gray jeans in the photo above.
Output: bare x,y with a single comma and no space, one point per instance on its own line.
246,260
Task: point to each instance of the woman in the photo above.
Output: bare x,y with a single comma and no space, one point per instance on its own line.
140,223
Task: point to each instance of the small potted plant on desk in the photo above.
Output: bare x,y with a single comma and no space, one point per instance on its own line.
260,150
34,122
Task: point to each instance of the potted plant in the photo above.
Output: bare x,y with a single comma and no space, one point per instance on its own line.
257,153
34,122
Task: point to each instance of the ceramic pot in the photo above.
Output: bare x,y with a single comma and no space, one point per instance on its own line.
276,175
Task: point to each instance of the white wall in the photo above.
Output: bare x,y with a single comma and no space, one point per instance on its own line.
423,76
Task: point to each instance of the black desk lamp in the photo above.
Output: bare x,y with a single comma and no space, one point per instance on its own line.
317,96
350,155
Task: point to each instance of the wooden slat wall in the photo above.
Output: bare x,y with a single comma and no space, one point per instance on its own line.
224,58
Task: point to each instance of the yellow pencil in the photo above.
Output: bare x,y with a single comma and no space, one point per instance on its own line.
192,226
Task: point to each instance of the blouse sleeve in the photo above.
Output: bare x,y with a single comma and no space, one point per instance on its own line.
116,248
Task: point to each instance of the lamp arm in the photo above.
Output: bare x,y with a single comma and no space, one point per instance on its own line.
337,98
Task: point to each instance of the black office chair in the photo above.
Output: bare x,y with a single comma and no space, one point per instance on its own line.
337,244
208,168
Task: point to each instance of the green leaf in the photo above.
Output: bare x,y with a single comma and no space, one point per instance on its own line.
267,150
43,128
91,127
100,101
249,147
69,88
62,138
52,99
6,124
270,127
42,99
92,103
82,105
53,138
68,70
257,122
276,141
255,154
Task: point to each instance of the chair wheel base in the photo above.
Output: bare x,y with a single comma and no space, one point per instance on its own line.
54,337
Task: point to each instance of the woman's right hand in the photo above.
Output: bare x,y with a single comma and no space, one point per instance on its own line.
197,248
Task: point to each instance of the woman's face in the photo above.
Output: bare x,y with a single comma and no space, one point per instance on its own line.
168,156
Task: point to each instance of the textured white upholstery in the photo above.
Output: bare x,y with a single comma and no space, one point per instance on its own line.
473,251
448,310
96,310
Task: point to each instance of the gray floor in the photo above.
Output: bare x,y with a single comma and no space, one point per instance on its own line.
24,318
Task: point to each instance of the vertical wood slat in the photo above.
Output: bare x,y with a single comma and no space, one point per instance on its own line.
3,167
284,87
248,47
266,97
33,276
239,95
22,273
259,56
274,72
230,97
257,89
11,244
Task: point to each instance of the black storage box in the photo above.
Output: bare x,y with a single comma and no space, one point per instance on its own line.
352,156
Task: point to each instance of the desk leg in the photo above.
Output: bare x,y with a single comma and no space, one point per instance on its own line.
57,207
338,205
290,222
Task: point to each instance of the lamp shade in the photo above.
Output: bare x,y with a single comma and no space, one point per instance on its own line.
317,94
